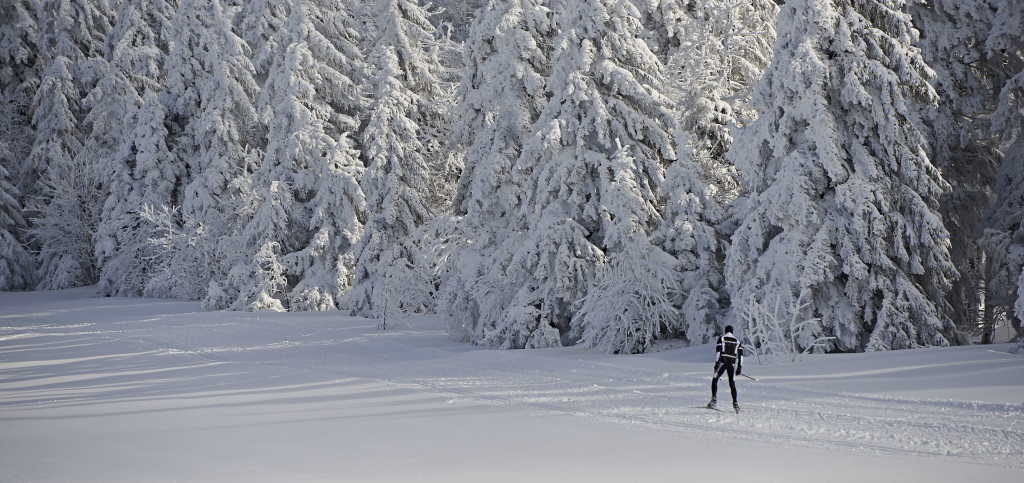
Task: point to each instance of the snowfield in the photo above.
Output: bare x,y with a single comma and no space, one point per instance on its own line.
133,390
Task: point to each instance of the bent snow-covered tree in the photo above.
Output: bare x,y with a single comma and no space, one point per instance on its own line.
843,196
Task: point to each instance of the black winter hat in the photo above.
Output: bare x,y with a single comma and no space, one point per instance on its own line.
728,328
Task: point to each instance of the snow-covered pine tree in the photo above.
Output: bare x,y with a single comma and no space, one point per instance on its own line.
724,47
1003,240
326,264
843,196
604,87
1003,237
54,178
394,183
19,32
256,22
64,42
338,211
16,263
50,167
17,266
953,43
209,90
665,23
500,96
631,304
400,146
688,234
110,103
309,102
719,49
134,57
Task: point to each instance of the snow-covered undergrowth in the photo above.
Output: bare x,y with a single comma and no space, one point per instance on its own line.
107,389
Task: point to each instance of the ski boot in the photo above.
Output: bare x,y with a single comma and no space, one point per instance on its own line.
712,404
736,406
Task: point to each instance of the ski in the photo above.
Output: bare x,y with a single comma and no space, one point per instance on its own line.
716,409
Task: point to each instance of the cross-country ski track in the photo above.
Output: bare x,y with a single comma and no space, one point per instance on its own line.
185,394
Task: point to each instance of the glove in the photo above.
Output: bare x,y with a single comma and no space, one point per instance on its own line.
739,370
715,374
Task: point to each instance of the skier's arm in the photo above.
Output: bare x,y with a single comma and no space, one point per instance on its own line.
719,347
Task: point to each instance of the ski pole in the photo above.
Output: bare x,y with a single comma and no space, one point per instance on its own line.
748,377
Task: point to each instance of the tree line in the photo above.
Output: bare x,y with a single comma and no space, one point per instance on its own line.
828,175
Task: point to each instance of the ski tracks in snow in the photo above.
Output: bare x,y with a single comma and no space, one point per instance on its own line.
573,383
771,414
601,388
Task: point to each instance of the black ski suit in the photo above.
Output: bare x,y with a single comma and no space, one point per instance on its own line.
729,359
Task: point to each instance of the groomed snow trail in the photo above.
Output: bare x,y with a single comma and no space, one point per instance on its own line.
84,352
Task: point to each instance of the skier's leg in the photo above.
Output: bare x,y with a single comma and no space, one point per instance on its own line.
732,382
714,384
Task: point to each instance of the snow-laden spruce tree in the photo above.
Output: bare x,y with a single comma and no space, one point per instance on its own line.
130,71
309,102
724,47
19,31
338,211
632,302
1003,237
968,75
125,116
326,264
604,93
500,96
209,91
69,33
1003,240
256,23
399,146
394,183
54,179
690,212
110,103
17,265
719,49
843,198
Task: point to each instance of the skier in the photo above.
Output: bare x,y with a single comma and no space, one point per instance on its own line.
728,356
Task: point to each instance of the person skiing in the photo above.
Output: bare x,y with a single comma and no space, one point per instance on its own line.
729,360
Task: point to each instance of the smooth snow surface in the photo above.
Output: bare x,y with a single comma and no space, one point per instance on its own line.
132,390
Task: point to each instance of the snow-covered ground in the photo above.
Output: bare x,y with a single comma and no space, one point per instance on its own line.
100,389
